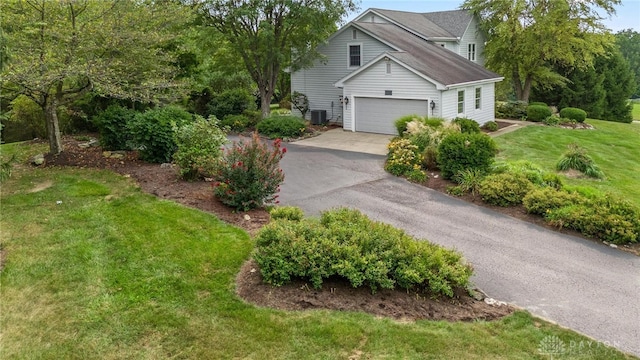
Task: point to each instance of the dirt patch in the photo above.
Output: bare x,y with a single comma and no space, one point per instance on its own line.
163,181
337,294
42,186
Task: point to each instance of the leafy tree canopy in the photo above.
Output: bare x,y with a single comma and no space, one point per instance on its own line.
629,43
525,38
270,35
54,51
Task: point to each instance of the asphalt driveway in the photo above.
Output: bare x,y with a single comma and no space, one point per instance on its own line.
577,283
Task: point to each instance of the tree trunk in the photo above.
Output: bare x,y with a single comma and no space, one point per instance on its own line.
265,102
523,91
53,127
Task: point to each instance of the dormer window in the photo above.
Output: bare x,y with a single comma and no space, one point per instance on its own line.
355,55
471,53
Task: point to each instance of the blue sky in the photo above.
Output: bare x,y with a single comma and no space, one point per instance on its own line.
627,15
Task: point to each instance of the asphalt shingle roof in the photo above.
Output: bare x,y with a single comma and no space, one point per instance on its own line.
442,24
426,57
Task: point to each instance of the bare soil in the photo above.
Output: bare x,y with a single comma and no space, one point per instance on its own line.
163,181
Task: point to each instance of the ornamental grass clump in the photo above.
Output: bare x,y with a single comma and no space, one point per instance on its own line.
249,174
576,158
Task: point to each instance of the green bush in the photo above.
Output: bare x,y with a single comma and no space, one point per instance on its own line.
576,114
152,132
490,126
511,110
112,125
433,122
576,158
467,126
505,189
605,218
531,171
281,127
198,147
430,158
542,200
235,122
25,121
231,102
403,157
254,117
292,213
401,123
538,103
249,174
551,120
347,244
538,113
465,151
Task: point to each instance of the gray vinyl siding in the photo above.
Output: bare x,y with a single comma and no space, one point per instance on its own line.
472,36
484,114
373,82
317,82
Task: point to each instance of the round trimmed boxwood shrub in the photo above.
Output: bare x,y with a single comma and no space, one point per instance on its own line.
506,189
538,113
458,152
281,127
347,244
490,126
540,103
292,213
112,125
467,126
576,114
152,132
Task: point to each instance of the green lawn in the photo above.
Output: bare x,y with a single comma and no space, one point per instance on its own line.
636,111
615,148
97,269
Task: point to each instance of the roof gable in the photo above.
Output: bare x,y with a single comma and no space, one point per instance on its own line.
425,57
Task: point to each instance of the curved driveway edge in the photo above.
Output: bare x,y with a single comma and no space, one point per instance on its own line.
577,283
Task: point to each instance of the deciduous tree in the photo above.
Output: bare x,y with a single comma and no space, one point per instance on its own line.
526,38
271,35
58,50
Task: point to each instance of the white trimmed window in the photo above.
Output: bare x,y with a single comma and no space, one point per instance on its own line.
478,98
461,102
471,53
354,55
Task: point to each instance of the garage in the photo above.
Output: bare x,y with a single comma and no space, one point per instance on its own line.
377,115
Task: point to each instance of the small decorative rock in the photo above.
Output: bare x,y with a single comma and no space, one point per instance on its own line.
38,160
247,217
613,246
106,154
166,166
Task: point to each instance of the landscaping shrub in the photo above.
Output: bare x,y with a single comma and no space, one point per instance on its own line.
281,127
235,122
537,103
576,158
198,147
490,126
467,126
511,110
152,132
401,123
254,117
249,174
542,200
576,114
434,122
506,189
531,171
465,151
551,120
292,213
605,218
347,244
430,158
403,157
112,125
538,113
231,102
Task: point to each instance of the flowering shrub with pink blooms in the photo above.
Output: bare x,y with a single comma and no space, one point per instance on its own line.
249,174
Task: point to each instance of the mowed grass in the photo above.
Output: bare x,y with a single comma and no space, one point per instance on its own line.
615,148
636,111
95,269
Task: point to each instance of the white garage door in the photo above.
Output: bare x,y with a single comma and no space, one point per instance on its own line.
377,115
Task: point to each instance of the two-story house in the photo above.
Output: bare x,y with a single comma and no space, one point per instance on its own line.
385,64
